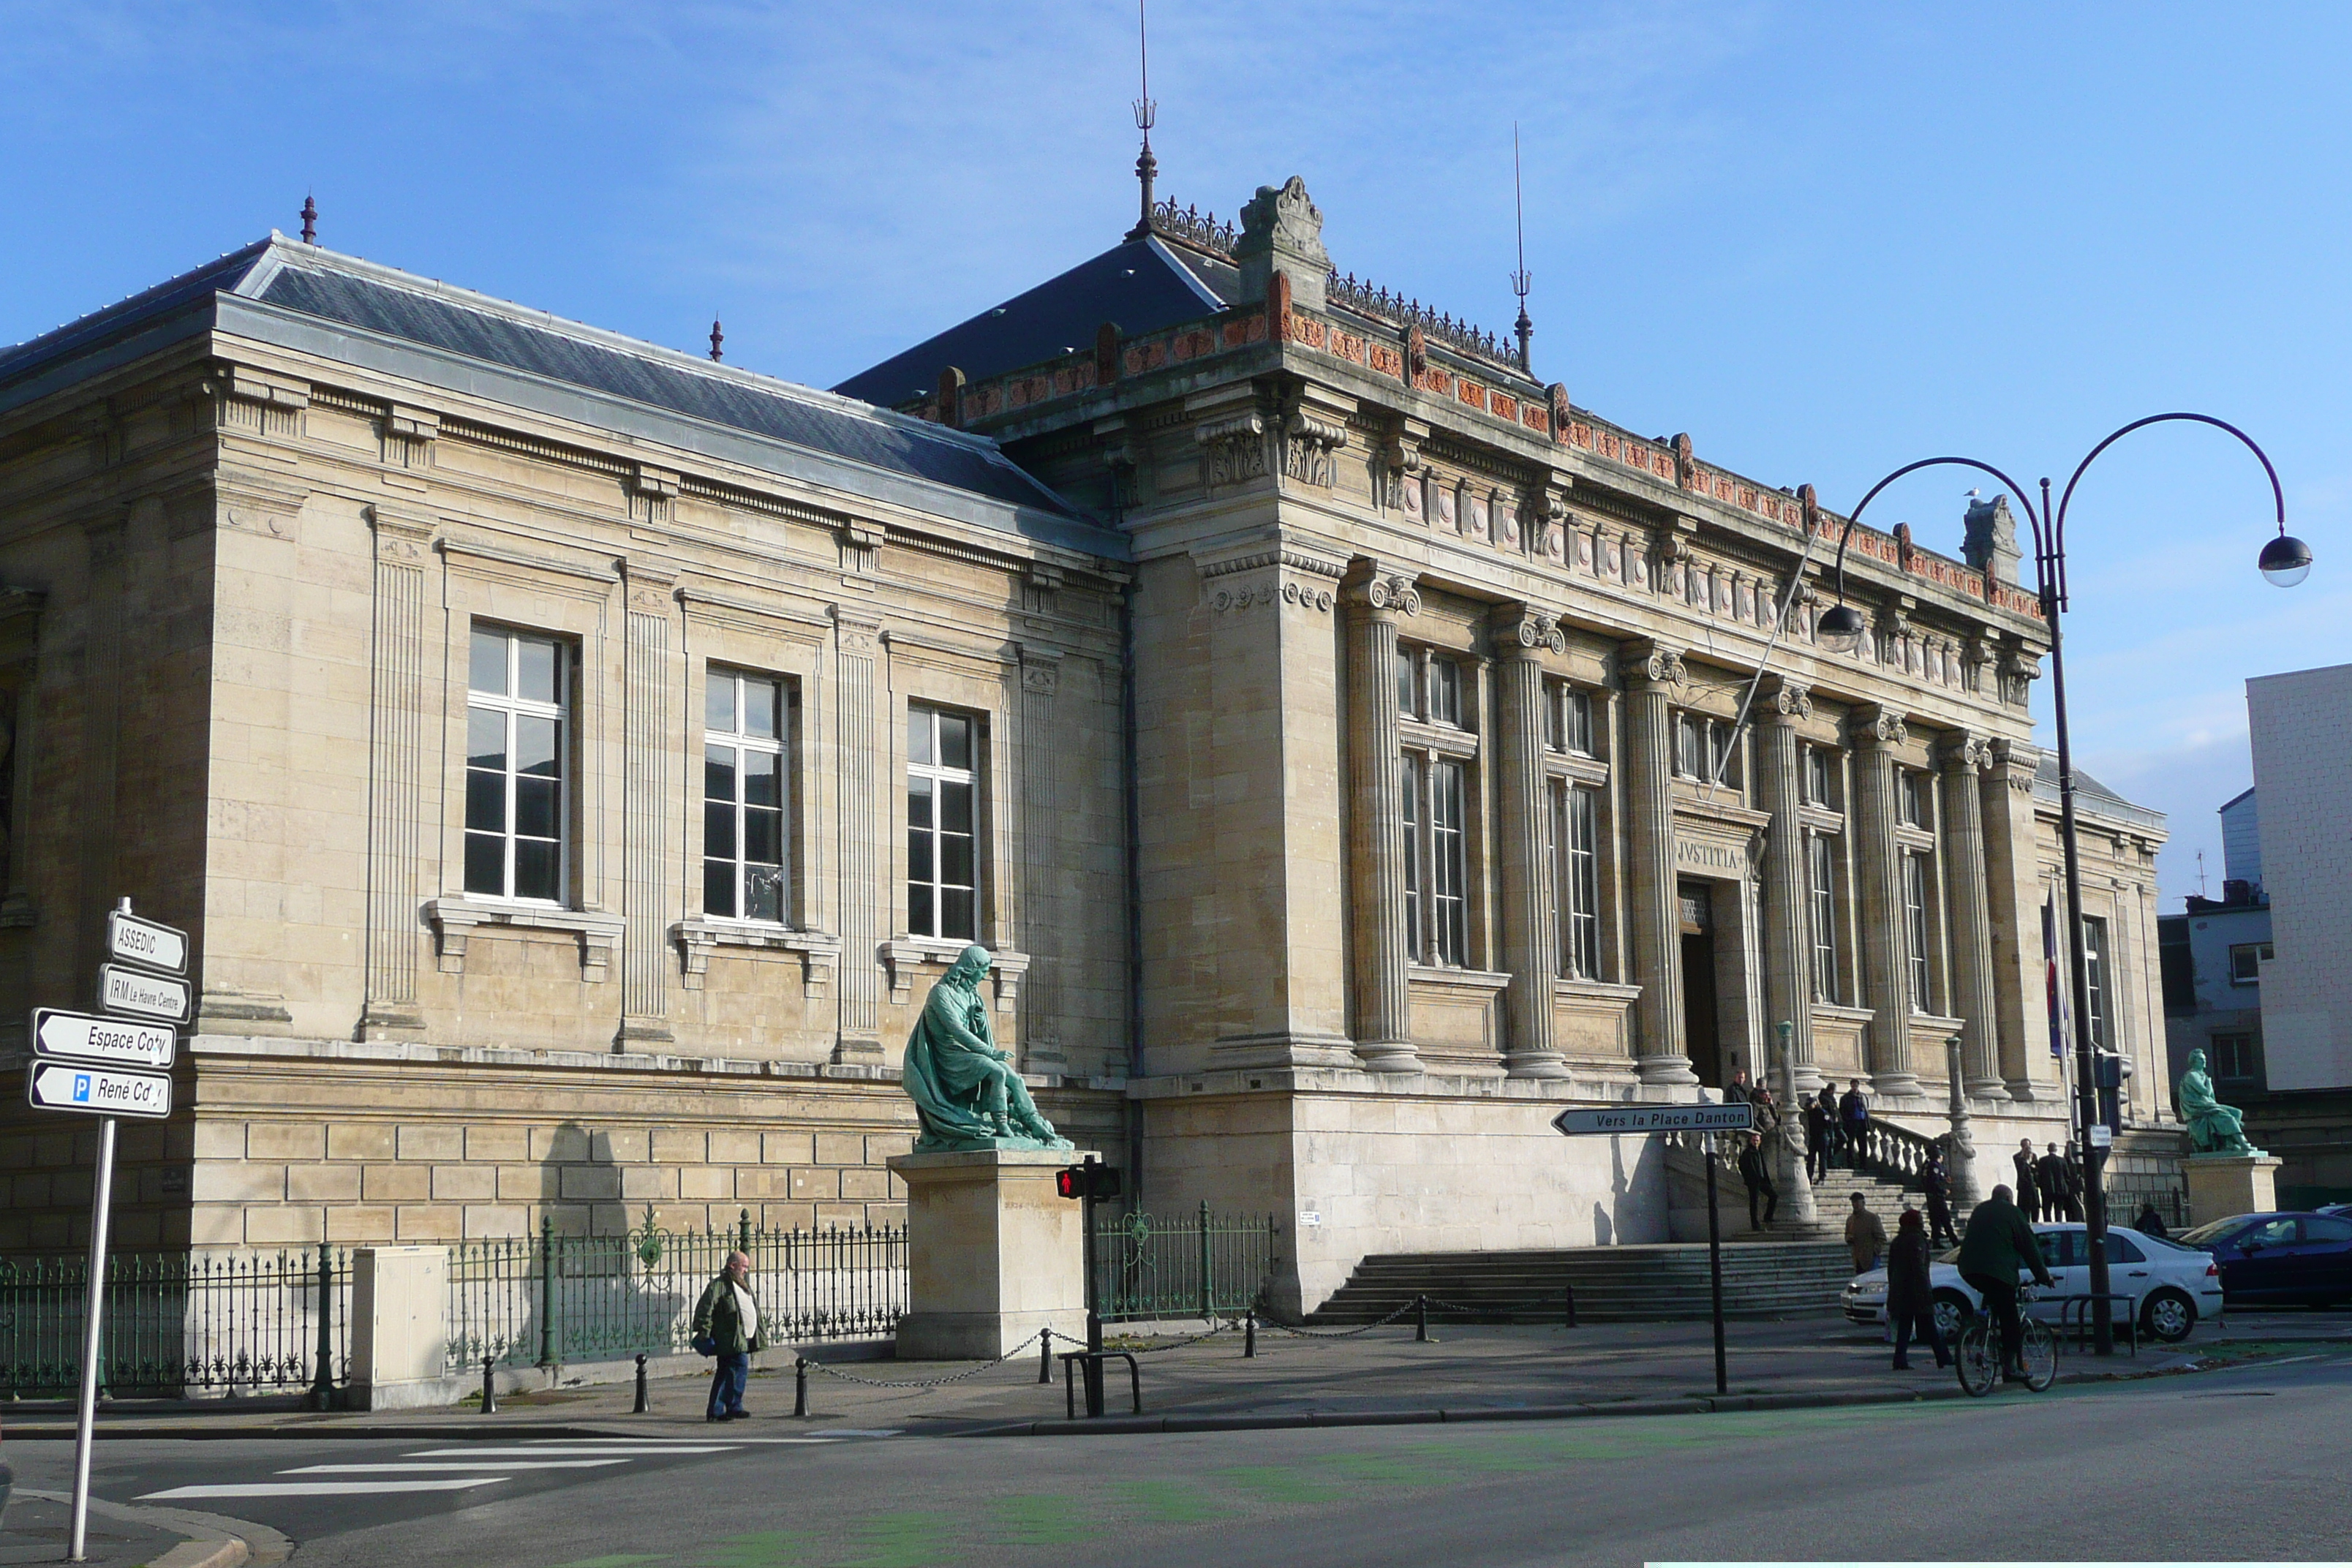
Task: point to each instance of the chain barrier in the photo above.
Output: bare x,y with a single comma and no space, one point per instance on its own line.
1214,1329
972,1371
1337,1333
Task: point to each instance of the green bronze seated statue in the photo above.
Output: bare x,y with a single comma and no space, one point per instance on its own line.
2214,1127
967,1093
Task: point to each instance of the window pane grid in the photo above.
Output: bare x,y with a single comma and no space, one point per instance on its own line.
1450,903
517,807
941,826
1409,793
1915,910
1575,823
2095,974
744,786
1823,854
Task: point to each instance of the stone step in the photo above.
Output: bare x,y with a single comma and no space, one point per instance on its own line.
1621,1284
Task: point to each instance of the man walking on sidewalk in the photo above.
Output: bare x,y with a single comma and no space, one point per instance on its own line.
1865,1236
1757,1171
1821,1123
727,1321
1939,1188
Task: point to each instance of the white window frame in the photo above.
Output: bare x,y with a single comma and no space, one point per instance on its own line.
1819,779
941,777
1449,859
1576,869
1918,931
740,742
2258,951
1821,886
1409,774
510,707
2095,979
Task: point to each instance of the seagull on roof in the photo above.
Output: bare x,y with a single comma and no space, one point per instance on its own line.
1976,495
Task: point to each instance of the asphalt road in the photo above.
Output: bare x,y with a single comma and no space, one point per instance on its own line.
2241,1464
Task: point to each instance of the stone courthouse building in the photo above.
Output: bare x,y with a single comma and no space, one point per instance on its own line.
576,760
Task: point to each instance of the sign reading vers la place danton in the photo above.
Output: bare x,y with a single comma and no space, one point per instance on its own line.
1735,1117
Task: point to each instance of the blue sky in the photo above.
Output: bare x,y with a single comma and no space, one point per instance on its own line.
1824,239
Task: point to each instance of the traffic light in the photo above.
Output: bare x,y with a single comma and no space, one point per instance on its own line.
1071,1181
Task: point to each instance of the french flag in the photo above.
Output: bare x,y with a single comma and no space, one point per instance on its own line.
2050,969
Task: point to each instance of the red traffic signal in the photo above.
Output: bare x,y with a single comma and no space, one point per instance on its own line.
1070,1181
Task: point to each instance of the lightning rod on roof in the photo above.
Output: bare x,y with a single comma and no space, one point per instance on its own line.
1147,113
716,337
1520,280
310,220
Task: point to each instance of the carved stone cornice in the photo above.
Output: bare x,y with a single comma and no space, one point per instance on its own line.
1522,631
1645,665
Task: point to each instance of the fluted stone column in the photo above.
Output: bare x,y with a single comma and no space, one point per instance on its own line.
1964,758
1375,599
1531,942
2013,879
397,658
1782,705
1885,945
1653,675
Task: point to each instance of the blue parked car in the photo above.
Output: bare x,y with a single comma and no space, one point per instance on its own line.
2280,1260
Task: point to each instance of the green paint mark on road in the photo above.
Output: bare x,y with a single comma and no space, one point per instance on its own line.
1032,1520
619,1560
1167,1502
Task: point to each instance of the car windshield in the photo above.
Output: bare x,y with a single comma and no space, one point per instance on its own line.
2212,1232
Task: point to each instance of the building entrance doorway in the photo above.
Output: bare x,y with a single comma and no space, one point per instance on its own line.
1699,1025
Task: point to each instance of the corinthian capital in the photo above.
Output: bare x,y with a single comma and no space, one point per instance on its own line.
1523,630
1875,726
1649,663
1790,702
1964,751
1373,586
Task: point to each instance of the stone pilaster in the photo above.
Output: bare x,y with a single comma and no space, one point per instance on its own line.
396,661
1781,706
858,753
1964,758
2014,889
1530,937
1383,1037
1886,945
1654,675
1041,861
647,843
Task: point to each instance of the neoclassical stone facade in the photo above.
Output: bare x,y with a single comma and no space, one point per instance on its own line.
577,760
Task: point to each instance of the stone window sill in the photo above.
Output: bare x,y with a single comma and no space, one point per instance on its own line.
1593,991
1457,979
456,920
1576,769
696,938
904,955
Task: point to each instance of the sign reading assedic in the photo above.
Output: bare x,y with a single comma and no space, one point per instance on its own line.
134,941
101,1091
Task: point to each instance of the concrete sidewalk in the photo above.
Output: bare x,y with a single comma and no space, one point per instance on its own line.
1465,1373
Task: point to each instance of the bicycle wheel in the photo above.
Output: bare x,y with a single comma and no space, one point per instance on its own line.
2039,1352
1978,1355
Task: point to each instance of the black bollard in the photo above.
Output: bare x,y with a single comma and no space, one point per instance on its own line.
489,1385
800,1386
1249,1336
1045,1355
644,1400
1421,1320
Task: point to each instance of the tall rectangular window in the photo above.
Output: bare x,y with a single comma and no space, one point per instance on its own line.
1915,917
2235,1056
1409,797
1449,859
1911,794
516,811
1577,867
1822,855
744,786
1817,778
1445,693
1408,688
1690,746
1576,722
943,780
2095,976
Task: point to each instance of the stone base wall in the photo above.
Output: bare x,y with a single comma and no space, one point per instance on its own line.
2310,1130
1449,1169
291,1143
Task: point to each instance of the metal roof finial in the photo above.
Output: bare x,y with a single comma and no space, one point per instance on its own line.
716,337
1147,114
1520,280
310,220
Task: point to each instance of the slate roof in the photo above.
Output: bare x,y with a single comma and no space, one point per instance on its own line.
2090,794
357,303
1143,285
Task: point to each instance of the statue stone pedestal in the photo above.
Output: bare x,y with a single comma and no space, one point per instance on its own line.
2221,1185
994,1252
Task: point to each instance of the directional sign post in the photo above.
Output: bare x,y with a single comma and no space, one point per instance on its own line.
1706,1121
87,1038
92,1065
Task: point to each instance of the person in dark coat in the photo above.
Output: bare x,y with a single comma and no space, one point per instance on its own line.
1998,1244
1854,1121
1819,1121
2050,1175
1828,1101
2071,1192
1736,1091
1938,1189
1910,1297
727,1326
2150,1223
2029,1192
1756,1170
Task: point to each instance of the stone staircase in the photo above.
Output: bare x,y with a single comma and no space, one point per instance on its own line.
1888,1182
1613,1284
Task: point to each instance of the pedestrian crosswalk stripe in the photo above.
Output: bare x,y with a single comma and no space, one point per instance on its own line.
321,1488
454,1465
543,1453
596,1444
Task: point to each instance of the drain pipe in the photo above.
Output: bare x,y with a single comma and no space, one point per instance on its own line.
1131,791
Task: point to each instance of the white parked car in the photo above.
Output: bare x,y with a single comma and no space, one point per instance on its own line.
2170,1285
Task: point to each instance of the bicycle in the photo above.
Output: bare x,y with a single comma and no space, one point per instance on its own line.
1977,1352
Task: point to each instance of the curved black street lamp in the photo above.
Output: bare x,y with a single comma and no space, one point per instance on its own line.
2284,562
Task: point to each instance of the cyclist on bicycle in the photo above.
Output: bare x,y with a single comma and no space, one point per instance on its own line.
1998,1245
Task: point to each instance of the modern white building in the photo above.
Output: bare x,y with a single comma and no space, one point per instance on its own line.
2301,725
2212,956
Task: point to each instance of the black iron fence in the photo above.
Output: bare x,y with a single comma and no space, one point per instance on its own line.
1195,1265
549,1299
230,1322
